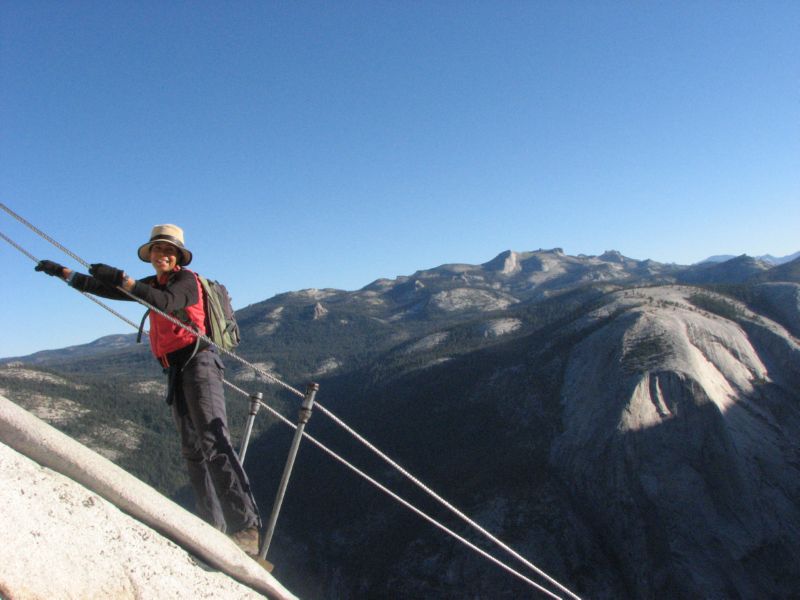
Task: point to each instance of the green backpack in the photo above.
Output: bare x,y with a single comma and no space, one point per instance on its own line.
221,324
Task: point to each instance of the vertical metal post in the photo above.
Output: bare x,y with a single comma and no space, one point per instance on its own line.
255,404
302,419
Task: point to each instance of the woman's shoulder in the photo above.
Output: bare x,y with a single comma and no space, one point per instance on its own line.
182,277
184,274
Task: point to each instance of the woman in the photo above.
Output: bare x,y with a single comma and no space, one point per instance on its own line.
195,389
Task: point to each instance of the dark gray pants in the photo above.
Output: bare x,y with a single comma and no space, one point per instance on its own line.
221,488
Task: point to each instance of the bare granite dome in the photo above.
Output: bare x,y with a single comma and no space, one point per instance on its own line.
77,526
666,406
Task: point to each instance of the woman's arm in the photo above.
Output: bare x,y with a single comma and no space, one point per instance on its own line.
180,292
92,285
106,281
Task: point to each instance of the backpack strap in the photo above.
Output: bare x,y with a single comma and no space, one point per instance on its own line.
141,326
194,353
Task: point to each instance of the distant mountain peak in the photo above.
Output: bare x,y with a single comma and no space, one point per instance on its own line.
612,256
506,263
767,258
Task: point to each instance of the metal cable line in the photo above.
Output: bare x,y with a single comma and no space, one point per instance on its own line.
273,379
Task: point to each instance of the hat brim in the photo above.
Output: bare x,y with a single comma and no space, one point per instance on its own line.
185,255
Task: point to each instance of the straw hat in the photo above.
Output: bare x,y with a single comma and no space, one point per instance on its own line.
171,234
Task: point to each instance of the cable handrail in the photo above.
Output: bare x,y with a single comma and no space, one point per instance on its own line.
340,459
396,497
170,318
86,294
338,421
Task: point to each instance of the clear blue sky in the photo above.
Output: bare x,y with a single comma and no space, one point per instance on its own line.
327,144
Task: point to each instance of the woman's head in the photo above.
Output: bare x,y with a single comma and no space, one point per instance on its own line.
169,239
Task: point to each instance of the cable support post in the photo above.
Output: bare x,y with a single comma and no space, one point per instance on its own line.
255,404
306,407
303,417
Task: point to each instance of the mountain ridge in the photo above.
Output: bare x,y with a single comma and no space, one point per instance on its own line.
768,258
529,274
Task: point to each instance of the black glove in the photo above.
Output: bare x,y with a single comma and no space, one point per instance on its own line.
51,268
107,274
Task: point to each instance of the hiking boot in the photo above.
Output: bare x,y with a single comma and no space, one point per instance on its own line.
265,564
247,540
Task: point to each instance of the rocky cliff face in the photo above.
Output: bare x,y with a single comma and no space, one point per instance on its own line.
644,445
680,432
61,540
77,526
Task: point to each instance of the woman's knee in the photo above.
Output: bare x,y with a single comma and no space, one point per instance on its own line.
193,454
215,439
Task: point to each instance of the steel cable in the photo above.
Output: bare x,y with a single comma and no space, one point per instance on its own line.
273,379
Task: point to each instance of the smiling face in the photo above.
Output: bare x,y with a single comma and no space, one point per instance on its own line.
163,257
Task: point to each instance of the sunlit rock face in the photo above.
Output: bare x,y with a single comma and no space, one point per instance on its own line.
75,525
61,540
675,420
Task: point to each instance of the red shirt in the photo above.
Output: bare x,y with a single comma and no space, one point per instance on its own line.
165,336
